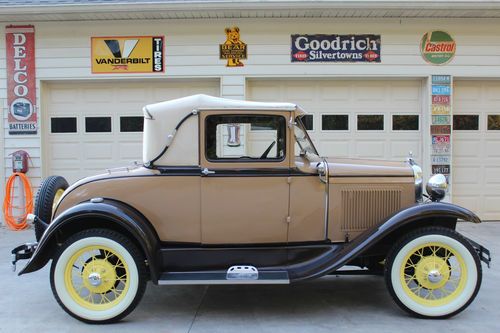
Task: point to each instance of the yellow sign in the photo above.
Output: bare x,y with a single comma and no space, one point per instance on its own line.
233,48
131,54
440,109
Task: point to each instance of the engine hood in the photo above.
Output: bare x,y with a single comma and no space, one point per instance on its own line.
350,167
368,168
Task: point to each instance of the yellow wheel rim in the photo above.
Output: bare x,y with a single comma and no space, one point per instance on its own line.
57,198
433,274
97,278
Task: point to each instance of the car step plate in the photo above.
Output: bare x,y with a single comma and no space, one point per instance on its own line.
239,274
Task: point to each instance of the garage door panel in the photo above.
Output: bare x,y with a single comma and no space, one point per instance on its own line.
370,149
466,175
98,151
335,92
466,148
492,176
493,150
400,149
337,148
476,153
472,202
75,155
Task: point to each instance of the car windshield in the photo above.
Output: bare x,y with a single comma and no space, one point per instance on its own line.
303,140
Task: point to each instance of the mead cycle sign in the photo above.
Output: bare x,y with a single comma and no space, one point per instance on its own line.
336,48
129,54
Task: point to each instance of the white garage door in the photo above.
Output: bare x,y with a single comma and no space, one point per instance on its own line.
379,119
97,125
476,147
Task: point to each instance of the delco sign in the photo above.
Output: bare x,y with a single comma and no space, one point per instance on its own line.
21,82
336,48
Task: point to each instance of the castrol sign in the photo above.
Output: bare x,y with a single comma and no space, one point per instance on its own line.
437,47
21,81
336,48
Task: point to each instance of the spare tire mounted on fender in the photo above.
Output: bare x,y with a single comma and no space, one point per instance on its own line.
46,199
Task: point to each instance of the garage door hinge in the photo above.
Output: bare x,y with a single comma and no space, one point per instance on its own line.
288,219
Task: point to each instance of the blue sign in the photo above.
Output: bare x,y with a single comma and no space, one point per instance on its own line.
441,79
336,48
441,90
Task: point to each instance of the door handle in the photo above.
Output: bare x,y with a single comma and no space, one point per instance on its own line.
207,172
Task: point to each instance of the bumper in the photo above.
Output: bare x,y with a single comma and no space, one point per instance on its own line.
22,252
26,251
483,253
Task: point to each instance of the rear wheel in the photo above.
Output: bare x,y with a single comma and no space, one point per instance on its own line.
98,276
433,272
48,196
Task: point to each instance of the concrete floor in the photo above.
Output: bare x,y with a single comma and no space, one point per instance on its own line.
346,303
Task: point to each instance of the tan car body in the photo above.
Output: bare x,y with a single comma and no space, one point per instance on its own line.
242,209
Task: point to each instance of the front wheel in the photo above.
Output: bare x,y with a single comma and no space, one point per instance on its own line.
98,276
433,273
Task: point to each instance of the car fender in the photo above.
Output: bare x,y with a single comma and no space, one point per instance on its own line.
110,214
334,259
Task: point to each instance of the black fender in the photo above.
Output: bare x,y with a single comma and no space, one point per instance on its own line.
335,258
105,213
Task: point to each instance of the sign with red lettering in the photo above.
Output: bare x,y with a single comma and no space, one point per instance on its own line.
21,82
441,99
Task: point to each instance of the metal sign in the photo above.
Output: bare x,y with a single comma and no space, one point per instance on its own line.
441,109
440,159
440,139
336,48
440,149
437,47
440,129
233,49
441,168
441,79
21,81
440,99
441,120
131,54
441,90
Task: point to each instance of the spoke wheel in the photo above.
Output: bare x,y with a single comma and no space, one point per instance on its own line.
98,276
433,272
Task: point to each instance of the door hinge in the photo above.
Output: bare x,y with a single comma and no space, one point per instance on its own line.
288,219
289,180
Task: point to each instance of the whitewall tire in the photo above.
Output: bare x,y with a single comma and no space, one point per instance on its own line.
98,276
433,272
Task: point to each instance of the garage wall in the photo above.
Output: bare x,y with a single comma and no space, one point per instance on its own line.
63,53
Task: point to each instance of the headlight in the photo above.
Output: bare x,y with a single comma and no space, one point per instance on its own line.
436,187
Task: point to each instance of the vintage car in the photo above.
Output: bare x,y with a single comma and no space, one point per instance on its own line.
235,192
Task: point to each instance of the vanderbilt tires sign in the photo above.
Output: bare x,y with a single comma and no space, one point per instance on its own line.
128,54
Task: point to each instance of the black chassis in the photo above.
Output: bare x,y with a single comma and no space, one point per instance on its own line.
301,261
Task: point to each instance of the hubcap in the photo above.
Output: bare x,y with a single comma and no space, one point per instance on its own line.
95,279
434,276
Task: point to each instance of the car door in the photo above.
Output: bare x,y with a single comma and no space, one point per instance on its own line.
245,177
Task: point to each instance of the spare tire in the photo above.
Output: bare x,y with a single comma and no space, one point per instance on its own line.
46,199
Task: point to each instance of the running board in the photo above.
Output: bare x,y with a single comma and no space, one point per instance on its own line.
222,277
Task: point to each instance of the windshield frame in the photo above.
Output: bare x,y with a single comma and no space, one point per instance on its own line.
300,124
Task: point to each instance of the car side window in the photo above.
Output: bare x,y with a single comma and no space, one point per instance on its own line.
245,138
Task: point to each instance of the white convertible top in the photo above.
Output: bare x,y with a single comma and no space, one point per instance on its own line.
160,120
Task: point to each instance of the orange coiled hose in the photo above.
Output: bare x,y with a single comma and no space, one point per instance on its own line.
17,222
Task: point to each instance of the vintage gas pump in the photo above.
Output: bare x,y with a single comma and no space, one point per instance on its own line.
19,169
20,161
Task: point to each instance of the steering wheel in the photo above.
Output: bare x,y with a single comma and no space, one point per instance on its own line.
266,152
